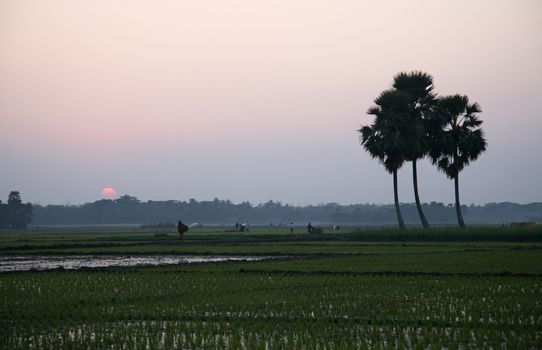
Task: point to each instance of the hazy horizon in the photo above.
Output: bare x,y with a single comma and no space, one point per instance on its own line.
256,100
390,203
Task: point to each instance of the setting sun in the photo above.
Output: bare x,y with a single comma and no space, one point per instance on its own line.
109,192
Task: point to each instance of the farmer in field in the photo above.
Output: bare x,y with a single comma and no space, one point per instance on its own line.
182,228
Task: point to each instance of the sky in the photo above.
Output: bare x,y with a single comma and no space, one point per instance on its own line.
256,100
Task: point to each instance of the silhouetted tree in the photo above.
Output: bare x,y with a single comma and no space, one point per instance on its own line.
385,139
15,214
457,140
3,215
155,212
419,87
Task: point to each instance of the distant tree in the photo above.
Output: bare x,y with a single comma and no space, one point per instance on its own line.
127,200
457,140
14,198
3,214
386,139
15,214
419,87
155,212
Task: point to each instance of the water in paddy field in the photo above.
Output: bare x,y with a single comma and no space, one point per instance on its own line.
74,262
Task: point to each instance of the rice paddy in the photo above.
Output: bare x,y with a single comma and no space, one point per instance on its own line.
340,290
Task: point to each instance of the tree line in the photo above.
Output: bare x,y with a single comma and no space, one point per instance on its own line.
15,214
411,122
130,210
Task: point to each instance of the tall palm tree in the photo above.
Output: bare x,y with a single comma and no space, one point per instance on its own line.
457,139
420,87
385,139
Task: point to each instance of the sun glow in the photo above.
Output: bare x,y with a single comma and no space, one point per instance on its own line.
109,192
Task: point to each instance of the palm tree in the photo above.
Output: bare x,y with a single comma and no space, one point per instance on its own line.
385,139
457,139
419,86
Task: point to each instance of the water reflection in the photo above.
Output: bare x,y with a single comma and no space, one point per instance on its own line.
73,262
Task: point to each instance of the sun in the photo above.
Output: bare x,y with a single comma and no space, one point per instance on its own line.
109,192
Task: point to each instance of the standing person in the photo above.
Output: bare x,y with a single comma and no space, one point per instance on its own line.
291,226
309,228
182,229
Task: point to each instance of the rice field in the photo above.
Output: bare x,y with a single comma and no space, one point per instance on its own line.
341,292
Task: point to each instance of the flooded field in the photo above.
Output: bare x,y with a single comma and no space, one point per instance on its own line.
338,290
74,262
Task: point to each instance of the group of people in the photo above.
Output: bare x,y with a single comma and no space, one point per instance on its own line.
310,228
182,228
241,227
313,229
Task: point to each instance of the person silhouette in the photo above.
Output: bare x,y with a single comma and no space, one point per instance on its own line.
182,229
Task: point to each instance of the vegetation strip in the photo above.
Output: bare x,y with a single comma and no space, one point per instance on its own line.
391,273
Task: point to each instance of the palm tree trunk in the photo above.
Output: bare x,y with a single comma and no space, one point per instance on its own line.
417,197
457,204
396,197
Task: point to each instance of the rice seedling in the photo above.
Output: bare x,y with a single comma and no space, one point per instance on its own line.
328,296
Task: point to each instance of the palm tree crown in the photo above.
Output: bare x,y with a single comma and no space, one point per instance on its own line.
386,138
419,87
459,138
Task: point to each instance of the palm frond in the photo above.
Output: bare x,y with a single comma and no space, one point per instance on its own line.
458,140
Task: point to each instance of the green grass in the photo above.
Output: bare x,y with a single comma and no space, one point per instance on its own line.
145,241
340,290
242,249
453,234
89,309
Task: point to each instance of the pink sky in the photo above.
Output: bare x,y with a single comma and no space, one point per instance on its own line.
255,100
